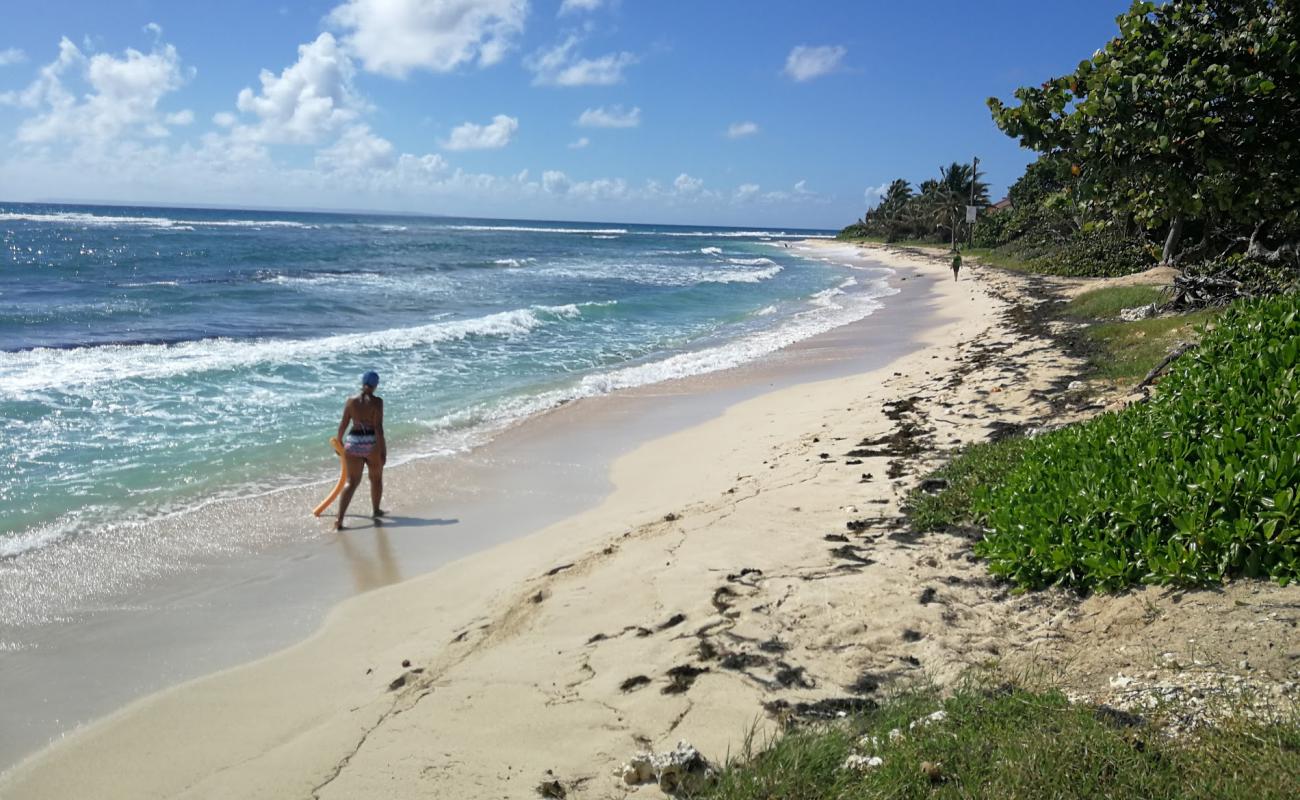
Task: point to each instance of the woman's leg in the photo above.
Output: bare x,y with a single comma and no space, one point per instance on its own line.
375,467
355,465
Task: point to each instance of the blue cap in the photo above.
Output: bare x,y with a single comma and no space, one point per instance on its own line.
370,379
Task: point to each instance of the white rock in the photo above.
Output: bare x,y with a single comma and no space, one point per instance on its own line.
1138,312
638,770
938,716
1121,681
1075,385
895,735
681,769
859,763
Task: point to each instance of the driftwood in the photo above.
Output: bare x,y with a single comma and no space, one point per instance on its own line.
1173,356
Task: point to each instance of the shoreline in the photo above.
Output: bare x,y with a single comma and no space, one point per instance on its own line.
190,624
790,586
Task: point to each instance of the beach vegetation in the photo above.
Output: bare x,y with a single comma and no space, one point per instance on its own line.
1124,352
1183,125
1200,484
988,740
1108,302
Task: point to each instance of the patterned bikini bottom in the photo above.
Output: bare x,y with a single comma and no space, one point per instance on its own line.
359,443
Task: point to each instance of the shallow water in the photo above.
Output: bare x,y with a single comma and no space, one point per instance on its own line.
153,359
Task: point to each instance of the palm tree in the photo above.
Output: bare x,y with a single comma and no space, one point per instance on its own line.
893,208
959,185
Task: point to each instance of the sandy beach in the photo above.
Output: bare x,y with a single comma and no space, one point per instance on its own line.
751,567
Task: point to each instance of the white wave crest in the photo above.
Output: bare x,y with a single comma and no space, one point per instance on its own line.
527,229
750,262
44,369
741,275
107,220
711,251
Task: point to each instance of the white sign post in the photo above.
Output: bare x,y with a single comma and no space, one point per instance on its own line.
970,214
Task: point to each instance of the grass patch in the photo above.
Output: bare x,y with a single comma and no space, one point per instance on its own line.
1014,743
1198,485
1107,303
976,466
997,258
1127,351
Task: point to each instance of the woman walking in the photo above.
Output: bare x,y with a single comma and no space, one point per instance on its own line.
363,446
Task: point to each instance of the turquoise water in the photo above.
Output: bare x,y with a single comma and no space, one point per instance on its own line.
153,358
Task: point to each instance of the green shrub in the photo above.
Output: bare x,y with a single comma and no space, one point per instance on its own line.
992,229
1099,253
977,465
1197,485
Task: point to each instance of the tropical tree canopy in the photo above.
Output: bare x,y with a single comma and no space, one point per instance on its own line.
1191,114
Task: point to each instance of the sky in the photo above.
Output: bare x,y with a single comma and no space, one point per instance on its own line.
725,112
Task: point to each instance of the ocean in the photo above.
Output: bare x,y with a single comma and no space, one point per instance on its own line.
155,359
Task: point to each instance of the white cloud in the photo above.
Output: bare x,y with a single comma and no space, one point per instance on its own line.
611,117
746,192
184,117
873,194
356,150
224,119
685,184
307,100
122,99
580,143
153,28
738,129
12,55
492,136
394,37
805,63
577,6
562,66
555,182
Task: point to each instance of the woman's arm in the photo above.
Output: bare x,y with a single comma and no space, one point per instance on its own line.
347,417
379,434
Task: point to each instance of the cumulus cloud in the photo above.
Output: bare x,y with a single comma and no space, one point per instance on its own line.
873,194
746,192
805,63
308,100
496,134
357,149
738,129
394,37
122,96
12,55
563,66
576,6
579,143
555,182
183,117
685,184
611,117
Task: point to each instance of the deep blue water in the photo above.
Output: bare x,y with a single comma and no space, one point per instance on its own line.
154,357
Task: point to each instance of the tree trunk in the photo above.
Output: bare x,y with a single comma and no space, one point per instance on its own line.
1171,241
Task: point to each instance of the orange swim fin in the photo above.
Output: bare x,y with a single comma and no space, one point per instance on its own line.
343,478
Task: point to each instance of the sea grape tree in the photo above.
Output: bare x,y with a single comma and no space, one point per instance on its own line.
1191,114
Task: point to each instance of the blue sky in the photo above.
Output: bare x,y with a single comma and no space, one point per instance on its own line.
764,113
